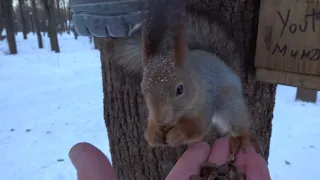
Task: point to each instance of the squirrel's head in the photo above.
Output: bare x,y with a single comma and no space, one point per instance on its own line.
167,84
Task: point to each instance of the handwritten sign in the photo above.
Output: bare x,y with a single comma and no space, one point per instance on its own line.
288,38
292,40
308,26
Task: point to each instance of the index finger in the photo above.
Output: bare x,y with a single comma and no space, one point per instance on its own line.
90,163
189,162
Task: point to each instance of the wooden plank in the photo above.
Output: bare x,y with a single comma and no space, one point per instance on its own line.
307,95
287,78
289,36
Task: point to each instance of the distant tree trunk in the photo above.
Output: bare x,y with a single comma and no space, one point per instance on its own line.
64,15
69,14
124,108
36,22
1,21
52,28
75,33
9,25
96,42
31,23
58,16
23,19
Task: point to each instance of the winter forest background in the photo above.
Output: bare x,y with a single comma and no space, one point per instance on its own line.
51,98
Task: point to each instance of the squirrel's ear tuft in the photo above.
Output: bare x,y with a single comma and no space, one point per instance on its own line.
180,45
152,37
145,50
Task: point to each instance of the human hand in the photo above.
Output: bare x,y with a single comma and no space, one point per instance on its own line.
92,164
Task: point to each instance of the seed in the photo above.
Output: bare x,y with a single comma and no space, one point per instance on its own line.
208,168
241,176
223,169
195,177
232,175
220,178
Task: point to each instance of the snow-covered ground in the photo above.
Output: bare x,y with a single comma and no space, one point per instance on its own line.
50,101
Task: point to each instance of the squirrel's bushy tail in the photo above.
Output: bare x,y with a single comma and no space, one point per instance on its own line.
203,33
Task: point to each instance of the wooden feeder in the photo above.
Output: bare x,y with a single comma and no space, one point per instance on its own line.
288,43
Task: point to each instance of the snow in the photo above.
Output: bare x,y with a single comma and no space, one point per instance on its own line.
51,101
3,32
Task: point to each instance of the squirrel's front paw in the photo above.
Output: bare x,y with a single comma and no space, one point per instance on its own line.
176,136
153,135
186,131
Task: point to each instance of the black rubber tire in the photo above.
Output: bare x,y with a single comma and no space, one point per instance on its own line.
107,18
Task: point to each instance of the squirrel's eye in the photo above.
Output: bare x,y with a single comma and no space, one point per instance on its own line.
179,90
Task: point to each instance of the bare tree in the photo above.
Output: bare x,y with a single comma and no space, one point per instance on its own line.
36,22
52,29
1,21
23,18
59,17
31,22
64,14
124,107
9,25
96,42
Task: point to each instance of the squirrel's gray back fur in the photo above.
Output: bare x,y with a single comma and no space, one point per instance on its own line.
223,91
202,34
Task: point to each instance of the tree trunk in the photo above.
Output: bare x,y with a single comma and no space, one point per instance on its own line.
8,13
124,108
58,16
75,33
96,42
36,23
32,23
23,19
52,29
1,20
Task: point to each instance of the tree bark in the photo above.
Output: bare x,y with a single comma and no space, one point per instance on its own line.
8,13
124,108
96,42
1,20
52,29
58,16
36,22
23,19
32,23
74,33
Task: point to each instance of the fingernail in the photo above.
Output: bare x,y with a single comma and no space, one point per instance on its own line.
76,153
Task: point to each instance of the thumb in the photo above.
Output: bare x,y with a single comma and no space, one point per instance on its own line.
90,163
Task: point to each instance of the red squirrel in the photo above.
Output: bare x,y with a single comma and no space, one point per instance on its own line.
186,83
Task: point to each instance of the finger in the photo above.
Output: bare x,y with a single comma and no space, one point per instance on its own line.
189,163
90,163
257,168
220,152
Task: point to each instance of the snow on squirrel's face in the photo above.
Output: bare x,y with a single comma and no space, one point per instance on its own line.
167,89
